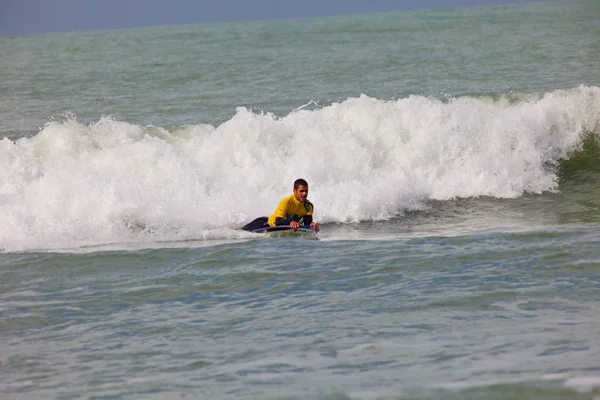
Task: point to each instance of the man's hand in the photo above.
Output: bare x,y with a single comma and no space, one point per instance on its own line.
294,225
314,226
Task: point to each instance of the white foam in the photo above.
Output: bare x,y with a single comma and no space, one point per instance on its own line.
583,384
364,158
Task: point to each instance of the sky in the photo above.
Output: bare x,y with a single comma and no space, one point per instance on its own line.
26,17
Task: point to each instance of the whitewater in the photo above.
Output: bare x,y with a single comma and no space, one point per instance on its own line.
110,181
453,159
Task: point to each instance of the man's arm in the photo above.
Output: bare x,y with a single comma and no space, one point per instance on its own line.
280,212
308,220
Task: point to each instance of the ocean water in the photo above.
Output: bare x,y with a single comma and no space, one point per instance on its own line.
453,159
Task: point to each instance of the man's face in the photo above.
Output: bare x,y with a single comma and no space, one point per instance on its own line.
301,192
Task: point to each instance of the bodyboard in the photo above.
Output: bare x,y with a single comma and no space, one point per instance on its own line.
286,231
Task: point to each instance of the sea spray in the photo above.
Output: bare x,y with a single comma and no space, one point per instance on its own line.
364,158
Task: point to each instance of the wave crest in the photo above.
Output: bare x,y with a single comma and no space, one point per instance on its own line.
364,158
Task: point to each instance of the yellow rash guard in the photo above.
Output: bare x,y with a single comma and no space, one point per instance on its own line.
290,206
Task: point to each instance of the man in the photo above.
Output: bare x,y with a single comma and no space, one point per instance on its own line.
294,211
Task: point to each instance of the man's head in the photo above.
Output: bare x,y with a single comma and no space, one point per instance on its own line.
300,189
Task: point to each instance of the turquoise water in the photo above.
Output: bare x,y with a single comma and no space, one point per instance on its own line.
452,158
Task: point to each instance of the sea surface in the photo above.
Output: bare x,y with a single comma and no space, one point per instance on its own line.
453,157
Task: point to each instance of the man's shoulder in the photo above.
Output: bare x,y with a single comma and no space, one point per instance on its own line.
288,198
308,206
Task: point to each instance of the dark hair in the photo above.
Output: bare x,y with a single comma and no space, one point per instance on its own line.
300,182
